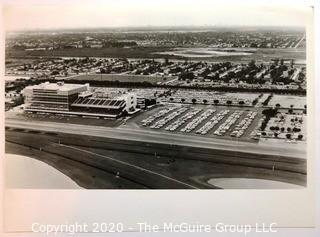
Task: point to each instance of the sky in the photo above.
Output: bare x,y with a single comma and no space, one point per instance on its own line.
58,14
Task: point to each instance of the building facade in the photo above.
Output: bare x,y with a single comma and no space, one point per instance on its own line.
52,96
76,99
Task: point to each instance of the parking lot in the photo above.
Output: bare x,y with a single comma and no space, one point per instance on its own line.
226,122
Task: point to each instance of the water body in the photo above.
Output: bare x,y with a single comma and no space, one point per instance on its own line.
28,173
247,183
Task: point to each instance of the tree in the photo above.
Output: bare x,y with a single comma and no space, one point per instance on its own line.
153,101
300,136
241,102
288,136
229,102
187,75
183,100
252,64
275,135
194,101
278,105
216,101
282,129
255,101
171,99
288,129
296,130
281,61
166,61
54,73
205,101
269,112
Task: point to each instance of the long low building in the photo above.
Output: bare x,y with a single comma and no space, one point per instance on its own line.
76,99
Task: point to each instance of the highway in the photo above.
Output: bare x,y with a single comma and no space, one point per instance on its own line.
276,149
133,166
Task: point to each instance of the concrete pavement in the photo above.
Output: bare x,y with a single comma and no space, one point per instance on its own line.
161,137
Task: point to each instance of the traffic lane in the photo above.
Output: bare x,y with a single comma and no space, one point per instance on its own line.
141,135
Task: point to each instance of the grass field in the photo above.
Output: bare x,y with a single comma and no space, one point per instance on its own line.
138,52
286,101
260,55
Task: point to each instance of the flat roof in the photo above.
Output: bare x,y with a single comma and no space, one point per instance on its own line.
56,86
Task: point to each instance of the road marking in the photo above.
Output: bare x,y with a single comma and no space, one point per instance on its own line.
128,164
151,136
297,45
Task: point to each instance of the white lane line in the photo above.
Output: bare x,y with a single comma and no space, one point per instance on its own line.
273,149
128,164
297,45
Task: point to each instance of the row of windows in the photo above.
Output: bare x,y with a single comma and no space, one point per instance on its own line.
38,98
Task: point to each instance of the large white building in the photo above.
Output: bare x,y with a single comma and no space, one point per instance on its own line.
76,99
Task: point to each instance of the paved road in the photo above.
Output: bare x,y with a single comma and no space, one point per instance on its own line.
297,45
162,137
133,166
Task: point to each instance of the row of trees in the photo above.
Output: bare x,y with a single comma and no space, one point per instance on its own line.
266,102
205,101
268,113
288,135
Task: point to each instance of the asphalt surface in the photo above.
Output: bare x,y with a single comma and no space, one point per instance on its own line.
89,160
276,149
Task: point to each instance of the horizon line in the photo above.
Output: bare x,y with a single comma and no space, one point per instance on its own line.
155,27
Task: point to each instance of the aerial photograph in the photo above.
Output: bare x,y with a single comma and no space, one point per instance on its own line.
146,97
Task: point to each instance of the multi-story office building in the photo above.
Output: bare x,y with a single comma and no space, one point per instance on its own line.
52,96
76,99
